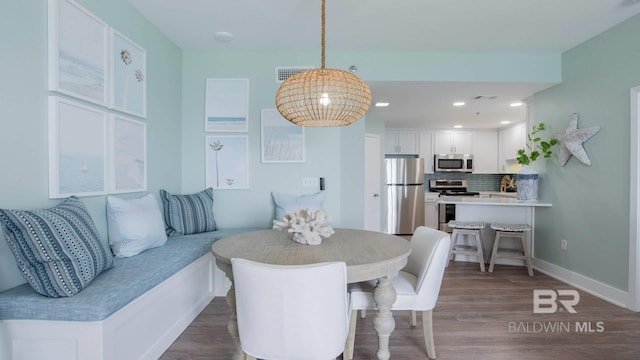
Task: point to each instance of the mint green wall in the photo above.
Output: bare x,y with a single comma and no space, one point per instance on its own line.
336,154
591,204
175,103
23,108
253,207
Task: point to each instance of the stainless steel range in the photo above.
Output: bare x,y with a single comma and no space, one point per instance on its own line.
449,189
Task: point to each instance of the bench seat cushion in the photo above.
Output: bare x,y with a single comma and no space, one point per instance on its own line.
115,288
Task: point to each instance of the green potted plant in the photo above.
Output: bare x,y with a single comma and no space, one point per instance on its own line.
535,146
528,176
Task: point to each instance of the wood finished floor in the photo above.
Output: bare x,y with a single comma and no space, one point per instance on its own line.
478,316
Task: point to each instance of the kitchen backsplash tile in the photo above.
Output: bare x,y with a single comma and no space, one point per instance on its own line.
476,182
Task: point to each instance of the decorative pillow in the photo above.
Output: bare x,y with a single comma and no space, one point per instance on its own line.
135,225
291,203
188,214
58,250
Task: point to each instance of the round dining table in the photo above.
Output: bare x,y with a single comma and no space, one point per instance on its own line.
368,255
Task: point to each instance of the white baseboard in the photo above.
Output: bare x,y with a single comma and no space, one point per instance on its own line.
603,291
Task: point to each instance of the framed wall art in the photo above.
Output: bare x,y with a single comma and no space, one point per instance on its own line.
77,149
281,140
227,161
78,45
128,154
128,76
226,105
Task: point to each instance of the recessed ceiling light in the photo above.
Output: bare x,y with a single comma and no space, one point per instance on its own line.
516,104
223,36
457,126
458,103
505,122
382,104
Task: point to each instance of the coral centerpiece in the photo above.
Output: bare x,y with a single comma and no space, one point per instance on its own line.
308,226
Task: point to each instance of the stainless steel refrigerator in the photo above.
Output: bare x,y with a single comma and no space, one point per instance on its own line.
405,194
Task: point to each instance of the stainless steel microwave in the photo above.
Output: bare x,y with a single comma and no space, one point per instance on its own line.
453,163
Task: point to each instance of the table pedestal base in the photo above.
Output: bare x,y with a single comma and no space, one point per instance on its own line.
384,296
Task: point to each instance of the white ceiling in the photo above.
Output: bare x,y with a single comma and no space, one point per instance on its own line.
498,26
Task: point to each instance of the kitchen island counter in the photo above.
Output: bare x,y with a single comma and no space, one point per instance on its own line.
497,210
493,201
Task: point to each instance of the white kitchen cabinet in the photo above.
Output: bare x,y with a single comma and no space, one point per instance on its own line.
431,215
431,209
453,142
426,150
509,141
402,142
485,152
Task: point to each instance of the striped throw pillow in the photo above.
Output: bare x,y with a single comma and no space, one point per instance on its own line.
188,214
58,250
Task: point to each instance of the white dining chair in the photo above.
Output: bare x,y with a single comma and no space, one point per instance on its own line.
417,285
296,312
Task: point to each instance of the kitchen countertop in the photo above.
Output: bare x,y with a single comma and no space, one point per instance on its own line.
499,194
495,201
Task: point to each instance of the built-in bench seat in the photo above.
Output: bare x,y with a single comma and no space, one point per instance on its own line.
115,288
158,292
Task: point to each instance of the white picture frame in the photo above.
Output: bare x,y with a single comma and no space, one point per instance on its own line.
78,155
77,56
226,105
281,140
227,161
128,154
128,69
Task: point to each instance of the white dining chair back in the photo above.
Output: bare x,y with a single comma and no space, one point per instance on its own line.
427,263
292,312
417,285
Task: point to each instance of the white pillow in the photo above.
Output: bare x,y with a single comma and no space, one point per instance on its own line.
135,225
291,203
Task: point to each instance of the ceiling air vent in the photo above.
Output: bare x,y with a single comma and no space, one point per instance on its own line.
285,72
485,97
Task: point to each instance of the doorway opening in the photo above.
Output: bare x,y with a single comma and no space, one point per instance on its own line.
634,210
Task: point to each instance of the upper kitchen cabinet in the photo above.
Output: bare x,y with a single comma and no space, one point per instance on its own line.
509,141
404,142
453,142
485,152
426,150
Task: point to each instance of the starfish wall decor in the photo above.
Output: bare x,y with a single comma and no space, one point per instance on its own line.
571,142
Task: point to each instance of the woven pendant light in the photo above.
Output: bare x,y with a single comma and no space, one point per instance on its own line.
323,97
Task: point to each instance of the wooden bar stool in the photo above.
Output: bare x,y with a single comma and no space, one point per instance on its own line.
472,229
516,231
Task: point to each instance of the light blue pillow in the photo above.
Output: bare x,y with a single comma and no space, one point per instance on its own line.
135,225
291,203
188,214
58,250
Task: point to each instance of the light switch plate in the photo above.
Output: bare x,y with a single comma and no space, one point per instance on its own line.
310,182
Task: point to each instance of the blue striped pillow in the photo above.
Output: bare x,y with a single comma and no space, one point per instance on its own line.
58,250
188,214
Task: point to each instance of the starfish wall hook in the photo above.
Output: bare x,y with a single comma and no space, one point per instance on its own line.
571,142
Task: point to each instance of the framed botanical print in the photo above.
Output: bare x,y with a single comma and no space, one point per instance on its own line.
128,76
227,161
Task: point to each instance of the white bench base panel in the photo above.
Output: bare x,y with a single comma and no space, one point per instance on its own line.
143,329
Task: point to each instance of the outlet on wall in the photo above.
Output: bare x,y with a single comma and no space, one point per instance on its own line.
563,244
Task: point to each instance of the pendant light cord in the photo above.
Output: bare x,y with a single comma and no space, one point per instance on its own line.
323,26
